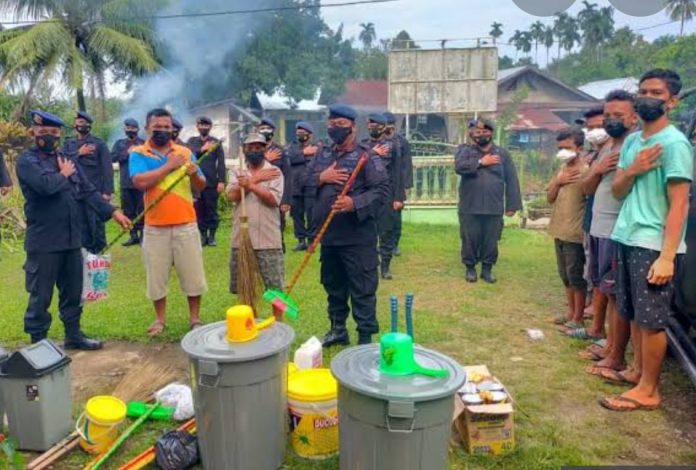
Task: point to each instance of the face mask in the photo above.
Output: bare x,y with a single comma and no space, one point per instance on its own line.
303,138
483,141
204,132
131,134
615,127
339,134
84,130
566,155
47,143
376,133
161,138
268,135
650,109
255,158
597,136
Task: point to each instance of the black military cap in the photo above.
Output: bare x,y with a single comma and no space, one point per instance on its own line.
482,123
390,117
204,120
304,125
176,124
85,116
43,118
377,118
342,111
266,121
131,123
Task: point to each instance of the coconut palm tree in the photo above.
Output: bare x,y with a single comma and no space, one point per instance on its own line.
516,40
526,42
549,41
67,38
560,25
367,34
537,32
681,10
571,36
496,31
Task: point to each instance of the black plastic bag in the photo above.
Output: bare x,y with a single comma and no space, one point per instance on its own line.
176,450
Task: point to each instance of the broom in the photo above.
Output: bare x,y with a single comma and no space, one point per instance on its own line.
140,383
248,274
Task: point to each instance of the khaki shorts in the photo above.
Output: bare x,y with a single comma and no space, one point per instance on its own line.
178,246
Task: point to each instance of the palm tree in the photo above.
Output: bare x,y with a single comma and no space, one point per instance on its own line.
367,34
69,37
496,31
526,42
516,40
537,32
681,10
560,25
549,41
571,35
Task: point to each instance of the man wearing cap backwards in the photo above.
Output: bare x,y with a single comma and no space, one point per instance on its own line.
404,149
300,154
278,158
488,189
389,211
131,197
215,177
54,187
349,247
94,158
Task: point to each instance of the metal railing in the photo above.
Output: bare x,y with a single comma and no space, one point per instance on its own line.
434,182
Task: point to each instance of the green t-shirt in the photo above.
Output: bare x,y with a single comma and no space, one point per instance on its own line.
641,222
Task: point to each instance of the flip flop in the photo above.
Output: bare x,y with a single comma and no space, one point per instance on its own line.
156,329
636,405
581,333
589,355
597,370
569,326
616,377
602,343
196,324
559,320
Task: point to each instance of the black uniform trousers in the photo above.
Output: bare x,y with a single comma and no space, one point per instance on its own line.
349,273
387,228
133,204
206,206
302,207
480,235
93,230
399,227
44,271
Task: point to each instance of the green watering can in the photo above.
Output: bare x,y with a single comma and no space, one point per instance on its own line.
397,357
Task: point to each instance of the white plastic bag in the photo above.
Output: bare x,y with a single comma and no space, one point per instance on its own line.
309,355
178,397
96,270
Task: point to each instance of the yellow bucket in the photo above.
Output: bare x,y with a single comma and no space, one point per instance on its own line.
98,426
312,399
292,368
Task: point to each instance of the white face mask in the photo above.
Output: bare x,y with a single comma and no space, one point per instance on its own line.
566,155
597,136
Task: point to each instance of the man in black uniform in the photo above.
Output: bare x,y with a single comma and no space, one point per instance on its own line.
349,247
131,197
404,148
94,158
5,179
278,158
389,211
213,168
300,154
488,189
55,187
178,126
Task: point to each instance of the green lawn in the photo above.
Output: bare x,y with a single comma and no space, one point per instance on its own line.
558,421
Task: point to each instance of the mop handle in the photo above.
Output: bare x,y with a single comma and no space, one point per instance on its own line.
409,314
325,225
394,303
159,198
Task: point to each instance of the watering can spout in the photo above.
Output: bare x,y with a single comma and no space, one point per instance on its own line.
397,357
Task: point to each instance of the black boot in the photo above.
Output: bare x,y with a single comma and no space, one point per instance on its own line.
78,340
204,237
471,275
301,246
487,274
336,336
364,339
133,240
386,273
38,337
211,237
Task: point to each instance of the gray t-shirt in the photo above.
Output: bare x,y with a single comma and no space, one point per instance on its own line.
606,208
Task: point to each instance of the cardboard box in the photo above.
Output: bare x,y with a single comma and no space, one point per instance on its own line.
483,429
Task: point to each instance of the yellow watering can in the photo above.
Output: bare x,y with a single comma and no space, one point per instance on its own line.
242,326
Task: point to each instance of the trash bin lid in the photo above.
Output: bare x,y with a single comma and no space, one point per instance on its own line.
210,343
358,369
3,355
36,360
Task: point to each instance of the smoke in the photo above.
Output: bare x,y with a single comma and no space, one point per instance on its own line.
194,52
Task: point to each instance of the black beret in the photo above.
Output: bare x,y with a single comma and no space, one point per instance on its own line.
342,111
43,118
85,116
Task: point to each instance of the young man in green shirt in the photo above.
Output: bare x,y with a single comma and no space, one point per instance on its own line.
653,179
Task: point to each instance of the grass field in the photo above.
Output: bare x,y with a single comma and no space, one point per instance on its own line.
558,421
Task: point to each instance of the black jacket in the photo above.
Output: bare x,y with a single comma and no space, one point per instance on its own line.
487,191
95,166
283,163
53,203
213,166
370,191
393,166
299,162
406,159
5,180
120,154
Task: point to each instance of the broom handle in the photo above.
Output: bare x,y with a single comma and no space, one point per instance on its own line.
325,226
159,198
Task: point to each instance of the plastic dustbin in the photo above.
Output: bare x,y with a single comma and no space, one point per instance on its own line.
240,396
3,357
391,422
35,383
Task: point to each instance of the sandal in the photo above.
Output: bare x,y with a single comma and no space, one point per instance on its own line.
590,355
195,325
597,370
616,377
569,326
630,404
559,320
581,333
156,328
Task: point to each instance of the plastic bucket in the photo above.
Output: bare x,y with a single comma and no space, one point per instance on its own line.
98,426
312,401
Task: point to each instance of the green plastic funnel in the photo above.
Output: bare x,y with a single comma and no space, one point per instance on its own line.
397,357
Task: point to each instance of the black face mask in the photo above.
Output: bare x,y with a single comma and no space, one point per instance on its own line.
483,141
131,134
339,134
303,138
162,138
268,135
255,158
650,109
376,133
47,143
204,132
84,130
615,127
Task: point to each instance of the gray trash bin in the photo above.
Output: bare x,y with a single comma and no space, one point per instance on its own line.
394,423
240,396
3,357
35,383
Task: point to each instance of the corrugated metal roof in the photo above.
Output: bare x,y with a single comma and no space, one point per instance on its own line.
505,73
601,88
537,118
